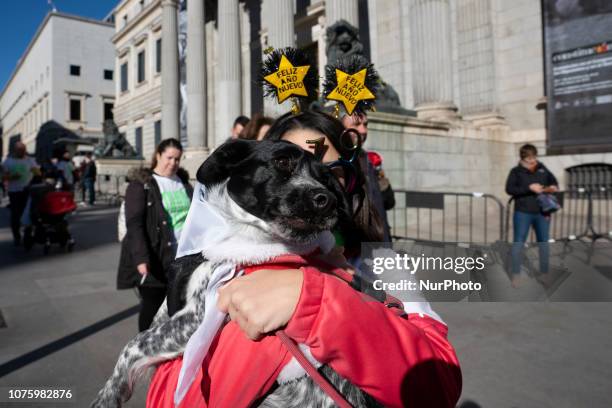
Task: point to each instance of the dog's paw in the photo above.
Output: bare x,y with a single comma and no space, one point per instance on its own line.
106,399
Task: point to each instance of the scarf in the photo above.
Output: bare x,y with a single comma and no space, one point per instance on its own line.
233,371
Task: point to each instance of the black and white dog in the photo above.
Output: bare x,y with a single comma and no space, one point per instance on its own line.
276,199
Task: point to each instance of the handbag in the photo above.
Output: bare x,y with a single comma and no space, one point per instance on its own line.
548,203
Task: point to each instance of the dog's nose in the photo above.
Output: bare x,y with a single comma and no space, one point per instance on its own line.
322,200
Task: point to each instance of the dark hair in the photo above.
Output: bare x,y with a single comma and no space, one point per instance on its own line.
241,120
528,150
367,222
315,120
251,130
162,146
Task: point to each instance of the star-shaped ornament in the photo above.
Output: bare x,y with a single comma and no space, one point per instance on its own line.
350,89
288,80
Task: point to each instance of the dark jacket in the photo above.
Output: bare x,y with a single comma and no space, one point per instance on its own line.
518,183
149,238
90,170
383,200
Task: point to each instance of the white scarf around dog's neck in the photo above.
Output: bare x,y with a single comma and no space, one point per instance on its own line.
227,236
222,231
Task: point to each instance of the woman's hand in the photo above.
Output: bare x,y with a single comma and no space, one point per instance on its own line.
142,268
262,301
551,189
536,188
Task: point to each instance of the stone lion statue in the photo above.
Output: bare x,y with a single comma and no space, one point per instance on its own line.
342,41
115,144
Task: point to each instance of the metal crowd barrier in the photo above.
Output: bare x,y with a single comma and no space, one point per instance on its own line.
447,217
584,215
600,221
451,217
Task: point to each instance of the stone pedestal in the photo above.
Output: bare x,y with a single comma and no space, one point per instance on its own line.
193,157
487,120
440,111
111,179
117,167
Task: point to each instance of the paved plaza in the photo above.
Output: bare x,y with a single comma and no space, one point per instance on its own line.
66,323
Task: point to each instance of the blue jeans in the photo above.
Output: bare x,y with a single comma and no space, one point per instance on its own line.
89,187
522,224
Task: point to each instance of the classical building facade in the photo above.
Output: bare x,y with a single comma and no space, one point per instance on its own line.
66,74
137,41
471,69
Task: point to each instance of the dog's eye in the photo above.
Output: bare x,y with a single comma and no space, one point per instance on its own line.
284,164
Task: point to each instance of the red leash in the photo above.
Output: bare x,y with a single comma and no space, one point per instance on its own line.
312,371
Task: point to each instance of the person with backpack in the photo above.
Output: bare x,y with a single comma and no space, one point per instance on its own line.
157,200
529,183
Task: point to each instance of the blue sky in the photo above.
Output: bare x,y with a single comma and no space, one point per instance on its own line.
19,21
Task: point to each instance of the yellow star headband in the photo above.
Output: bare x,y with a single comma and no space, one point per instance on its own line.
287,74
288,80
353,82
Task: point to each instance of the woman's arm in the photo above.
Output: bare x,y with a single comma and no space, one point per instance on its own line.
135,220
400,361
514,187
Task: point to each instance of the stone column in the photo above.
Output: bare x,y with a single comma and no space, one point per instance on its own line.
476,64
197,144
342,10
430,34
196,74
170,70
281,34
230,92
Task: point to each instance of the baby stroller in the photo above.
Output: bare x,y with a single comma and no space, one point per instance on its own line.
48,212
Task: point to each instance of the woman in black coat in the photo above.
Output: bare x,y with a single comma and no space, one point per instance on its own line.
525,182
156,204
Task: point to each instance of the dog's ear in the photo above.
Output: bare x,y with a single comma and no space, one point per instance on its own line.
223,160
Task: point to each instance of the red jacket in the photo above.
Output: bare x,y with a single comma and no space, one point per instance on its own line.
400,361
